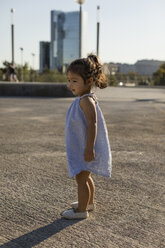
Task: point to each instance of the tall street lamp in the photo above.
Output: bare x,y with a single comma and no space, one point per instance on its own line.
80,24
33,55
21,49
12,34
98,30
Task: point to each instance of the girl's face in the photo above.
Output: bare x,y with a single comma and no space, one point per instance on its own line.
76,84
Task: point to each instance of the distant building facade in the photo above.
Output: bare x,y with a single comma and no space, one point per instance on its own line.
141,67
110,68
44,55
64,44
126,68
147,67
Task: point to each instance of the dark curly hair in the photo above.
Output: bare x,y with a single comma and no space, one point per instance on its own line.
87,68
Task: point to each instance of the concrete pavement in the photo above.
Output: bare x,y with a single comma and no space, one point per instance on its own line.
35,188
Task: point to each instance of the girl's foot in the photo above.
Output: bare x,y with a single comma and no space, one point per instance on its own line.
91,207
71,214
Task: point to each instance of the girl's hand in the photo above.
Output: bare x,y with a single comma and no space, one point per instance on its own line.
89,155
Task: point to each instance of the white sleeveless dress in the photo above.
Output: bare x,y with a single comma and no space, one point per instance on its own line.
76,134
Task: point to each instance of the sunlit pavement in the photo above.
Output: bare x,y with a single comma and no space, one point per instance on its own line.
35,187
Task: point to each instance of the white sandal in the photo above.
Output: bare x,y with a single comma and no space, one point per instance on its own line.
91,207
70,214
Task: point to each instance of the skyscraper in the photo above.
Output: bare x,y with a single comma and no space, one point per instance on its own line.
44,55
64,45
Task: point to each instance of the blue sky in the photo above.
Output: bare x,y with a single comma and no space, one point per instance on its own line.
130,30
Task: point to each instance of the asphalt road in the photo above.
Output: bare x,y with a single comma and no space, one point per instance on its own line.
34,184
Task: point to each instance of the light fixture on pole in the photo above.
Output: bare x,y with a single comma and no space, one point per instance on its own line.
80,24
12,34
98,30
33,55
21,49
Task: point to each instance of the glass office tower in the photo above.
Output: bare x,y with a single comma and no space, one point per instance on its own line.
44,55
64,46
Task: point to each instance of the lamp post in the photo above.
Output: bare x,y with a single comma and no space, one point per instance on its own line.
21,49
33,55
12,34
98,30
80,24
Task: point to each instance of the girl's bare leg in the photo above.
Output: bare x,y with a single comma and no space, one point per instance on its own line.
84,191
92,189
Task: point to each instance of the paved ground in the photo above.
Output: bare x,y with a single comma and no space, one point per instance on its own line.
35,187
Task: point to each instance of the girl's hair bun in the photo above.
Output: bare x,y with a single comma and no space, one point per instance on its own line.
96,71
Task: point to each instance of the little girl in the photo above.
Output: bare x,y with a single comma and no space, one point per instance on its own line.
87,144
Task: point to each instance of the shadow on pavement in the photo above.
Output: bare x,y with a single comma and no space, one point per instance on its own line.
146,100
39,235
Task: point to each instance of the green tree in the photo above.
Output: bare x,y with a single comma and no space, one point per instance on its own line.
112,80
29,75
51,76
26,72
159,76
